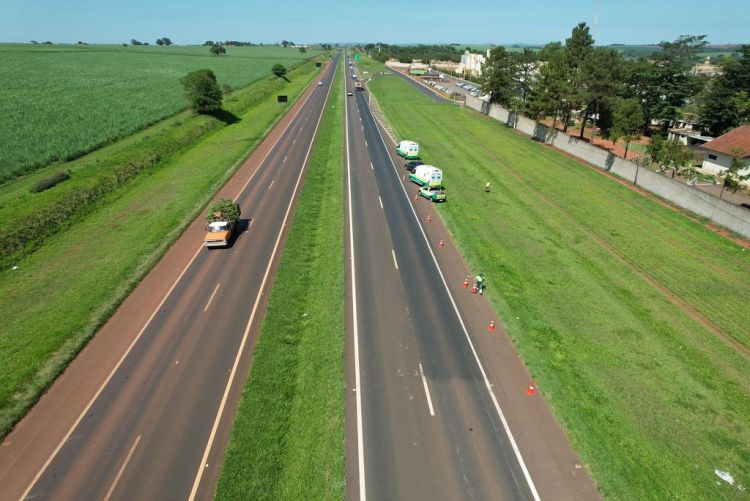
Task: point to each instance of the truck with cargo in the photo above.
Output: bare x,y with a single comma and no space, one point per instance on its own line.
223,216
358,85
408,149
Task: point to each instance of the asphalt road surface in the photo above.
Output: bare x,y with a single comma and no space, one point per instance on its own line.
155,426
437,408
429,426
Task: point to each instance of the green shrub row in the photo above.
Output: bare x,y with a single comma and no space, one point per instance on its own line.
51,181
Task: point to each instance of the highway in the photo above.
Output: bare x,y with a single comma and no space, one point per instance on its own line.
436,405
145,411
429,429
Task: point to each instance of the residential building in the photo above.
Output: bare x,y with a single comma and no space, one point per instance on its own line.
721,151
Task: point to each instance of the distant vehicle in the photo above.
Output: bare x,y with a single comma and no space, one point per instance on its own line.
223,215
408,149
427,175
473,94
410,166
320,83
354,76
433,194
349,93
358,85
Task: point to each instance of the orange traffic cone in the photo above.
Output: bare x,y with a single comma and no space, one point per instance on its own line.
441,244
491,327
466,283
416,197
531,391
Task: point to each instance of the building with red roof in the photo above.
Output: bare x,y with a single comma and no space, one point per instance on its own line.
721,151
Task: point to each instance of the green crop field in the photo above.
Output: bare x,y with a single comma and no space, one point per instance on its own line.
60,294
632,317
62,101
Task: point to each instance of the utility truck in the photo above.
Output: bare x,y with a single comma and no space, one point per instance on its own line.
223,216
408,149
427,175
358,85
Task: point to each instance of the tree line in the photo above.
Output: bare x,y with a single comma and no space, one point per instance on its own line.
621,96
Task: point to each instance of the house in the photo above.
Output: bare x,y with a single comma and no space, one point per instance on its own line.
687,131
721,151
706,68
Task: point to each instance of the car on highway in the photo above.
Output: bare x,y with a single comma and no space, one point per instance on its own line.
433,193
320,83
410,166
349,93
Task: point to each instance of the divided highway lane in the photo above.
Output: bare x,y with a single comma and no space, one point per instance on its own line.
159,425
426,424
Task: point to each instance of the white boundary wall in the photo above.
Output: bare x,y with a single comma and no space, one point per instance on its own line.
719,211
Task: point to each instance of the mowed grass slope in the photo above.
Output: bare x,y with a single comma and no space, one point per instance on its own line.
600,289
287,440
62,101
60,294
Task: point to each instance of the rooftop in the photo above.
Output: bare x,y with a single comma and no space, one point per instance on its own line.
738,138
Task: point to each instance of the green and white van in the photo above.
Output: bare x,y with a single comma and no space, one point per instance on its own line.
408,149
427,175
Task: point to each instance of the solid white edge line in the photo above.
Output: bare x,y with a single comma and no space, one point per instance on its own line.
145,326
395,263
381,201
122,469
355,329
371,167
269,186
426,391
217,420
487,384
211,298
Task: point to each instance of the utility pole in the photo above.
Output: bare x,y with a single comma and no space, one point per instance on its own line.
596,18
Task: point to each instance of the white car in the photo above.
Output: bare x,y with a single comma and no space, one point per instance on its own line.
320,83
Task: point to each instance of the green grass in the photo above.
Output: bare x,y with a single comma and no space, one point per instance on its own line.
287,440
62,101
651,400
62,293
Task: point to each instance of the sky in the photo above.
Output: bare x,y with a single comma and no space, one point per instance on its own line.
389,21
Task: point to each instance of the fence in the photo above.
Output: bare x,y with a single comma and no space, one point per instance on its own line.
704,204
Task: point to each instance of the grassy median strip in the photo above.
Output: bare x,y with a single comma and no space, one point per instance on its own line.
287,440
602,291
58,296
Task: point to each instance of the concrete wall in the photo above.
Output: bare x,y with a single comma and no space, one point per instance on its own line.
721,212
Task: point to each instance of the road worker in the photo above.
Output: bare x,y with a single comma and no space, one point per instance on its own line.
479,283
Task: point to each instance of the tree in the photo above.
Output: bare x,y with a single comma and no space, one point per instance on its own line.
285,43
208,43
669,153
552,86
600,79
133,41
278,70
732,176
498,74
726,100
627,119
159,41
217,50
166,41
577,48
302,50
202,91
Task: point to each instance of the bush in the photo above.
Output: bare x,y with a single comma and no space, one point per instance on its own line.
49,182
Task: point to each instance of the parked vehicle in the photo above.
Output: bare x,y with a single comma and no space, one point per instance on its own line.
408,149
427,175
410,166
433,193
223,215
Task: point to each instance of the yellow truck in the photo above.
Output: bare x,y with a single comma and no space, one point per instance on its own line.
223,216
